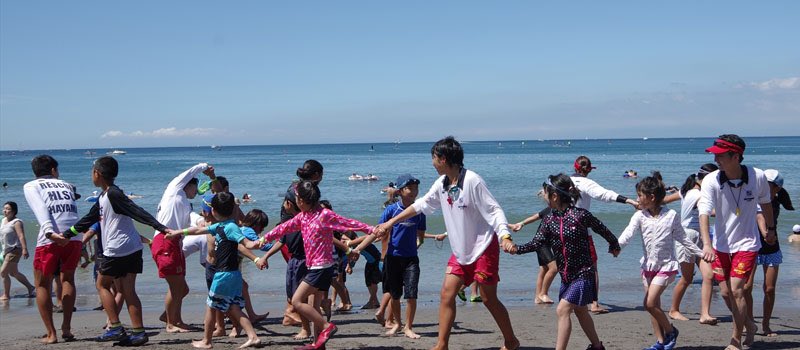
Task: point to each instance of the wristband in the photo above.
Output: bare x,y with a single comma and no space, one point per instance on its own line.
71,233
186,232
506,236
255,261
349,250
522,224
48,235
622,199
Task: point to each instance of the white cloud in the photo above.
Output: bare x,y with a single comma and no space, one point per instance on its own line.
163,132
777,84
111,133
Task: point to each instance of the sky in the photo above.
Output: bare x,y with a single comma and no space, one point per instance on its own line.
112,74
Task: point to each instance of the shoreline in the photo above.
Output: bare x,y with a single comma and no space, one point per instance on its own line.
535,326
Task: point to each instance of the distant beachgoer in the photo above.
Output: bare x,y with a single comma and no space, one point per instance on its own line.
122,249
316,225
5,185
660,229
566,230
733,192
794,237
592,190
12,235
474,228
57,250
690,221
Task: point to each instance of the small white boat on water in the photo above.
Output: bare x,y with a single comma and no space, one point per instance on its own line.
117,152
358,177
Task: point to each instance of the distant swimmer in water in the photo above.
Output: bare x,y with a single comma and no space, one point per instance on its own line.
246,198
5,185
131,195
630,174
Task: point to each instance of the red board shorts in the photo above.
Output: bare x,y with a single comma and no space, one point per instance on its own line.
485,270
738,265
52,257
168,255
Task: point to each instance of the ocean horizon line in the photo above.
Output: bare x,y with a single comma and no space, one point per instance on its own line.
396,142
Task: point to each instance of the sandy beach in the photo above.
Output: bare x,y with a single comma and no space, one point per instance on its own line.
625,328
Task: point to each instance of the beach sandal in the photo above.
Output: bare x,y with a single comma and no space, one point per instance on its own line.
591,347
461,295
68,338
475,299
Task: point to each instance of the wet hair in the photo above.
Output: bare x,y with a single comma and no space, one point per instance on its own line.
43,164
223,182
736,140
326,204
223,203
583,164
563,187
652,185
691,180
308,192
449,149
13,206
108,167
256,218
310,169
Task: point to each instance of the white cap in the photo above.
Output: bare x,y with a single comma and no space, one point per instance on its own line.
774,176
796,228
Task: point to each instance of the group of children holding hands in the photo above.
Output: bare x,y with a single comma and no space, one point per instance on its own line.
477,229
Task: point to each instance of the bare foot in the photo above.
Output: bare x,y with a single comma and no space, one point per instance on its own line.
218,333
768,331
250,342
289,321
370,306
391,332
439,347
234,333
389,324
544,299
752,329
410,333
598,310
512,345
201,344
380,319
302,335
677,315
176,329
711,321
344,307
4,298
49,339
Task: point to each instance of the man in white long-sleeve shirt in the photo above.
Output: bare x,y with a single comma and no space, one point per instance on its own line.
734,192
174,212
475,224
53,203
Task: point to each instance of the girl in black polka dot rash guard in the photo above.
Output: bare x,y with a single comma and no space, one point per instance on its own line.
565,229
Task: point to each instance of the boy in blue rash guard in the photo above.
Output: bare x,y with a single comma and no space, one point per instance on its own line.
225,294
401,264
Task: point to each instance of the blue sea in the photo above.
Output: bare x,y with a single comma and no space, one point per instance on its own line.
513,170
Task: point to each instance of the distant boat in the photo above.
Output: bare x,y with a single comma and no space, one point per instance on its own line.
644,139
215,147
90,153
117,152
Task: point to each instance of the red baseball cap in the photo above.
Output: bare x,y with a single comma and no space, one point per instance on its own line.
722,146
